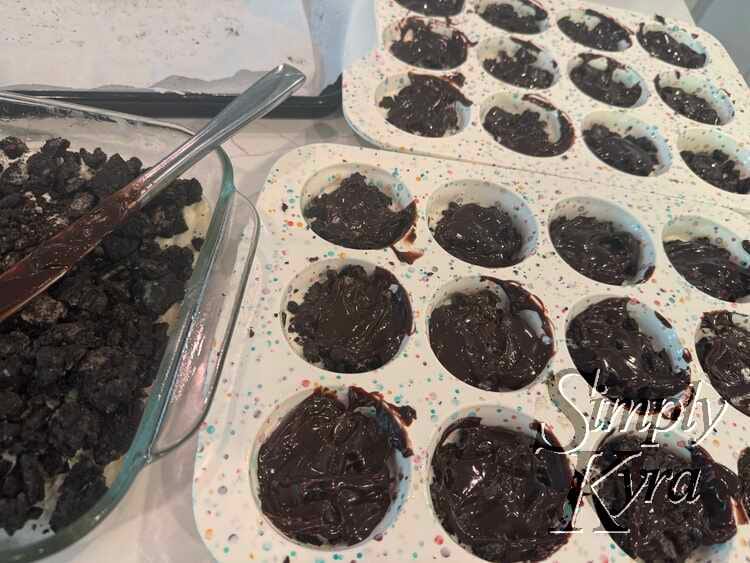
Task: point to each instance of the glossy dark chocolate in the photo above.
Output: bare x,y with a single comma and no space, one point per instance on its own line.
420,45
602,85
596,249
606,35
724,354
663,46
358,215
352,322
499,492
427,106
526,132
488,345
709,267
664,530
444,8
327,474
605,340
504,15
716,168
743,471
520,69
691,106
634,155
484,236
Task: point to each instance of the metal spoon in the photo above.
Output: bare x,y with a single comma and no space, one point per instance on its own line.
54,258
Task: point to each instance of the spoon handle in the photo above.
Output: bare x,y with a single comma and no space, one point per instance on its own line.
54,258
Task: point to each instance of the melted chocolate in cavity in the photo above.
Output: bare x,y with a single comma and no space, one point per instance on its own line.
484,236
663,46
602,85
663,530
327,473
724,354
520,69
426,107
634,155
487,345
421,46
607,35
717,169
351,322
505,16
526,132
434,7
605,340
499,492
709,268
690,105
596,249
358,215
743,470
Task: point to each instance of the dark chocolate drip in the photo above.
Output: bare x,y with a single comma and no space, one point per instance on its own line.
607,35
691,106
663,46
420,45
526,132
426,107
605,341
499,492
724,354
327,473
358,215
664,530
485,236
504,15
634,155
352,322
520,69
487,344
602,84
709,267
716,168
596,249
444,8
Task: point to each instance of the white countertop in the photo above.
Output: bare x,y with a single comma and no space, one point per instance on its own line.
154,523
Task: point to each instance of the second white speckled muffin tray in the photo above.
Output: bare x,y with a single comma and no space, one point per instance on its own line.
265,376
382,74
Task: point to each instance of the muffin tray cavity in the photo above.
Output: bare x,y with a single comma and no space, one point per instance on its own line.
650,86
268,373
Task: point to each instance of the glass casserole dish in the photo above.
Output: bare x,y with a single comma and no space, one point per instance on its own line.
183,388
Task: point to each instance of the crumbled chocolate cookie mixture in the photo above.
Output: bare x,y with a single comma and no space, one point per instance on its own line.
75,362
485,236
663,46
634,155
606,34
716,168
609,349
352,322
527,132
508,17
426,107
691,106
327,473
421,45
743,471
358,215
520,69
602,84
444,8
500,492
596,249
662,529
709,267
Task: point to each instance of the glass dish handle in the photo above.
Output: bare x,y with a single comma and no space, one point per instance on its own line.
204,331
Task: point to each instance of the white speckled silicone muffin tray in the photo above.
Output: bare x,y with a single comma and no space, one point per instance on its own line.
381,73
265,376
